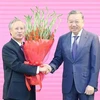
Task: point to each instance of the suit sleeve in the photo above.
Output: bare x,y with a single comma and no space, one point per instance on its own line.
95,62
58,59
11,60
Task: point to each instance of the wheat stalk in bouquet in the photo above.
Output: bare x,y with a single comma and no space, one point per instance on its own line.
41,25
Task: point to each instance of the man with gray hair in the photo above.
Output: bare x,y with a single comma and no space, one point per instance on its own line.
79,50
14,68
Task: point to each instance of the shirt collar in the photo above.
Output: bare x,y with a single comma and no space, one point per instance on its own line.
17,42
79,34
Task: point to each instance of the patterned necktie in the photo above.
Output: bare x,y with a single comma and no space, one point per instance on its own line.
21,47
74,47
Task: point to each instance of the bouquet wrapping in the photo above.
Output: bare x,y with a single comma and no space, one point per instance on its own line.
35,52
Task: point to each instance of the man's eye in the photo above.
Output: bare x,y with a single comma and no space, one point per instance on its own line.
16,28
71,22
21,28
76,22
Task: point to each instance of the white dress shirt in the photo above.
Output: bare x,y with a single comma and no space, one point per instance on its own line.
72,38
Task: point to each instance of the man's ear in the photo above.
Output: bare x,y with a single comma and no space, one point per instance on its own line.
83,23
10,32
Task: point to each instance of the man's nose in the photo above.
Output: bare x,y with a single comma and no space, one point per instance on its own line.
73,24
19,30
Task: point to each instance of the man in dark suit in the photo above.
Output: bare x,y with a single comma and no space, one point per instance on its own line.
80,52
14,67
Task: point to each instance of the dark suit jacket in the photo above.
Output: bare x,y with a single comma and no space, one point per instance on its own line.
14,70
84,69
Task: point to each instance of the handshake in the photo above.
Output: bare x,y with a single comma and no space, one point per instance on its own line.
45,68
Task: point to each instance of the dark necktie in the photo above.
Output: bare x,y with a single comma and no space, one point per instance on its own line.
74,47
21,47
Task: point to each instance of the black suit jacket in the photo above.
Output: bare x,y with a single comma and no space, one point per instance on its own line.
14,70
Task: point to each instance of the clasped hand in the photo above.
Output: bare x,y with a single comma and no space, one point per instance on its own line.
45,68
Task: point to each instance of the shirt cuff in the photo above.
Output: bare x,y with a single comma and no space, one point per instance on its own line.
37,72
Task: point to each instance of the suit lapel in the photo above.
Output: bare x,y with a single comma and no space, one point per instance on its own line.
17,48
83,39
68,47
14,43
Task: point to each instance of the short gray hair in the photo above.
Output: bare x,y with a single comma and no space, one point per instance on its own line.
75,12
13,21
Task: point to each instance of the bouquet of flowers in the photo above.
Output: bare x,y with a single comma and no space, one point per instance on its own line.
39,37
